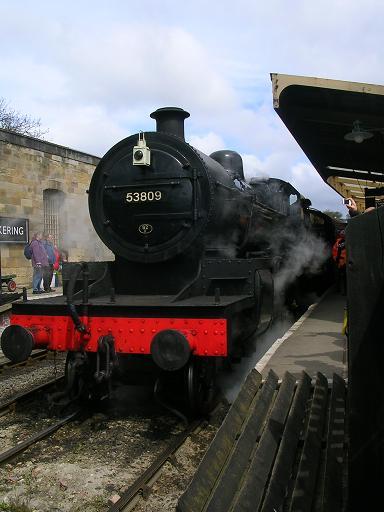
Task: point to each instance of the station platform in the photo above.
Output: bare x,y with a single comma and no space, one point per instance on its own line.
315,343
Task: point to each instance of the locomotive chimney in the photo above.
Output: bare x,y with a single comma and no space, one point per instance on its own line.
170,120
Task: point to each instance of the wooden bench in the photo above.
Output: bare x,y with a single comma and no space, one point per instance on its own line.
281,447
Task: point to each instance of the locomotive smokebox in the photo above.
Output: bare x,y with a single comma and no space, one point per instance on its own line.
154,197
170,350
170,120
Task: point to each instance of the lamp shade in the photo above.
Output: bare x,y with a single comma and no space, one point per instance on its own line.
358,134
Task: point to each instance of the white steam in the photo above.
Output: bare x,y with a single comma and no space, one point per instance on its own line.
79,237
301,253
231,381
304,253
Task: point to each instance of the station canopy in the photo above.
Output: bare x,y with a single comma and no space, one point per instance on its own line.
340,127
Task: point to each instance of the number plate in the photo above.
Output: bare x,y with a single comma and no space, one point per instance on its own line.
143,197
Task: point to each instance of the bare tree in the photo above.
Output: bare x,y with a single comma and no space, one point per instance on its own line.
16,122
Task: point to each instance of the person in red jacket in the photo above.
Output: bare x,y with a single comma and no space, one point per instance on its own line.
339,255
57,264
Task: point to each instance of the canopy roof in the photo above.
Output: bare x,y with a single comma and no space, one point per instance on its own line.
319,113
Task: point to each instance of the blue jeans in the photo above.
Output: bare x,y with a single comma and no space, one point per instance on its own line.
37,277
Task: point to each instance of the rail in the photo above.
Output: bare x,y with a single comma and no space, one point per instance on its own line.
140,487
23,445
21,396
36,355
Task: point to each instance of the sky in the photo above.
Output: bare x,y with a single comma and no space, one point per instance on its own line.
93,71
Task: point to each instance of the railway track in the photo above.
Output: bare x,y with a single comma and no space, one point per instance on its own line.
141,488
23,445
98,456
10,404
37,355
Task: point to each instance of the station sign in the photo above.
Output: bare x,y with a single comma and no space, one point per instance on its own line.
14,230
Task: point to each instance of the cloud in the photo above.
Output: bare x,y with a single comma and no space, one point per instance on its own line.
131,64
86,128
141,64
306,179
207,143
114,80
94,71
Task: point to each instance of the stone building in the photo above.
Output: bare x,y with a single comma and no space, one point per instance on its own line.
46,184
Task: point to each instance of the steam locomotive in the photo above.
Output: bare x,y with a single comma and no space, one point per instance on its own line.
196,250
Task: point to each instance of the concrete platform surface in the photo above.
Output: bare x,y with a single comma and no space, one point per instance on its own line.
315,343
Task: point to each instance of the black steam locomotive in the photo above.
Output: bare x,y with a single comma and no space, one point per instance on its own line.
196,249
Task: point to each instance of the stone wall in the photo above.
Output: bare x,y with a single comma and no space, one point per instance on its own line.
29,166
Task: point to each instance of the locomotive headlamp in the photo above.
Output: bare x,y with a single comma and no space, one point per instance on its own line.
170,350
141,152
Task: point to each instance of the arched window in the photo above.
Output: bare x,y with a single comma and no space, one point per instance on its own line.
53,202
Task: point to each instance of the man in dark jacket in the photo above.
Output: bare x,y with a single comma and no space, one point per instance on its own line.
39,261
48,270
339,255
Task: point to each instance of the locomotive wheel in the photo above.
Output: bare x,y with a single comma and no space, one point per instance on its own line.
201,388
73,377
79,376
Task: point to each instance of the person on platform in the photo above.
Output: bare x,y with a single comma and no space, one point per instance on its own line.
57,264
352,208
339,256
48,270
63,254
39,260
